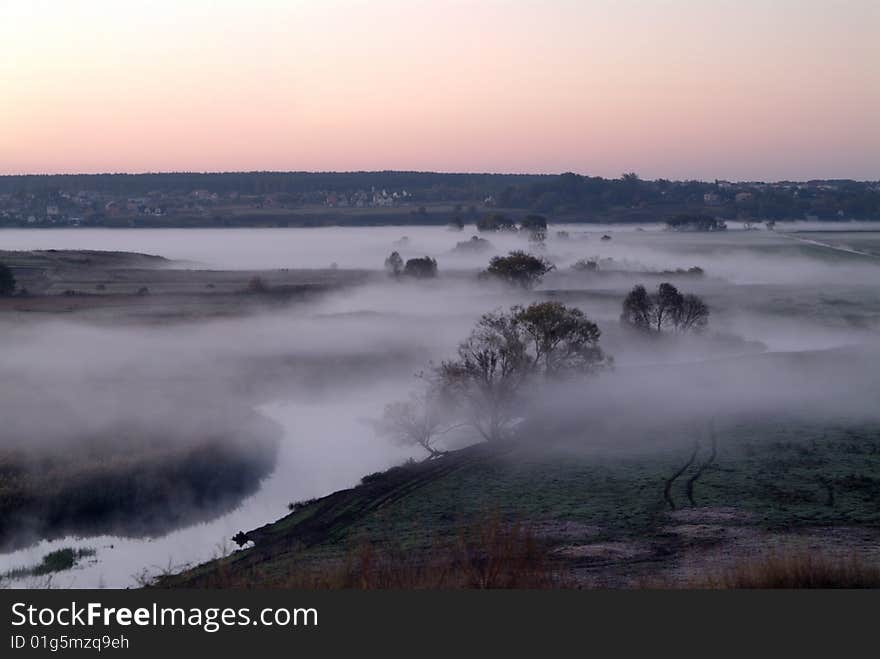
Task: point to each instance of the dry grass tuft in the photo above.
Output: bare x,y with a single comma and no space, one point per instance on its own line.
489,554
797,570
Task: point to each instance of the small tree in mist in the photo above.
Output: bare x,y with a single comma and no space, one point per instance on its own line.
394,264
667,308
7,280
421,420
423,268
508,352
519,268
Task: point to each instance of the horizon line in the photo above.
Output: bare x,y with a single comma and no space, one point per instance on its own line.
417,171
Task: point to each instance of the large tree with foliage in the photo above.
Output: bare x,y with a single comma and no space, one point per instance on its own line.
488,374
562,339
508,353
519,268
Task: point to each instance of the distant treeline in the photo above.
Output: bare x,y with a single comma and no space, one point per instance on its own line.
571,193
565,197
430,184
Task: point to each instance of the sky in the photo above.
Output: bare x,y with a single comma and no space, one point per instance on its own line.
744,90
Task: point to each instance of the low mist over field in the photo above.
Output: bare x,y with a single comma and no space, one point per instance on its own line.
246,249
792,333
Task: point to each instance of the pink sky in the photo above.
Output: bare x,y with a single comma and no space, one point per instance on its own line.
755,89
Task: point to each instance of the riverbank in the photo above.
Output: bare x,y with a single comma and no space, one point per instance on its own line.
562,516
140,481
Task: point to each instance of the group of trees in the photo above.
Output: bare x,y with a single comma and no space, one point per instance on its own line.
495,374
665,309
419,268
499,368
695,223
518,268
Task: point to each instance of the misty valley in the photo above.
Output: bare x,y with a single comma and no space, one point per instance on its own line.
573,405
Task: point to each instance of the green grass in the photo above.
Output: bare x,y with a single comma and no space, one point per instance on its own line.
782,475
778,472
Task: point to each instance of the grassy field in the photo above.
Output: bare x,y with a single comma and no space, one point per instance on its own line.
774,485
